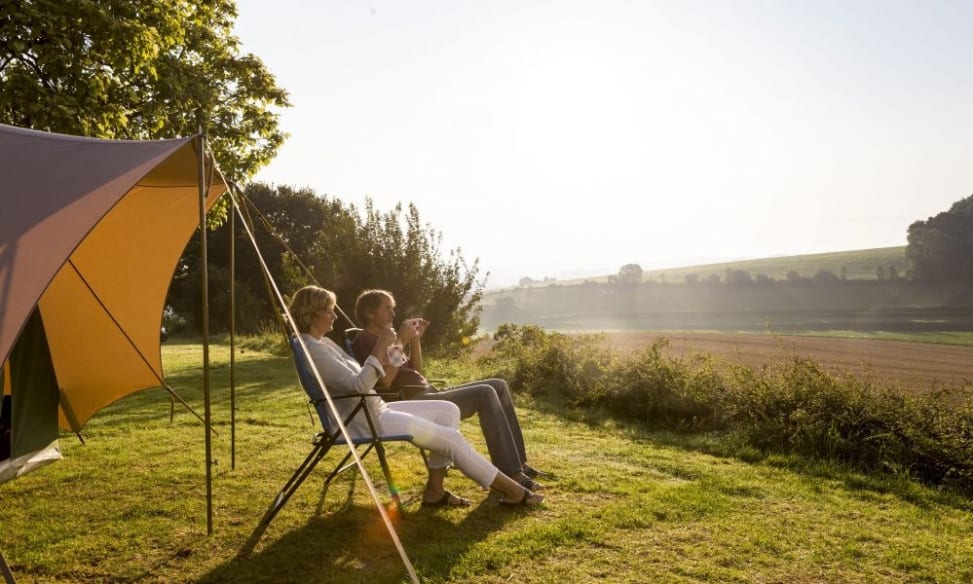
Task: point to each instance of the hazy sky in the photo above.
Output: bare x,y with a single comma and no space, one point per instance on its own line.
545,137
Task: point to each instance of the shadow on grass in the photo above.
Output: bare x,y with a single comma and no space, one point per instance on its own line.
353,545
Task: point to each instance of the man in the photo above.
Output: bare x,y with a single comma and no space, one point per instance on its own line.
488,398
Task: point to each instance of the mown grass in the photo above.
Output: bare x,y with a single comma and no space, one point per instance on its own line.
627,504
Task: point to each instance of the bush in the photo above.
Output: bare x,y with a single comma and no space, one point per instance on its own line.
551,365
792,406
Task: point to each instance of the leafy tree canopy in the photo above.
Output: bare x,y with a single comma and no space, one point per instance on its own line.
630,275
940,249
138,69
305,238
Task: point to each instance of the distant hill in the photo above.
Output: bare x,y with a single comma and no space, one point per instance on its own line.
768,299
859,264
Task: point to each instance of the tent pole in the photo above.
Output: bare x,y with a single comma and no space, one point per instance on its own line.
8,576
204,287
232,338
352,450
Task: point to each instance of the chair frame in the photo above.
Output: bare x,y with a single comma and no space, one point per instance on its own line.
323,441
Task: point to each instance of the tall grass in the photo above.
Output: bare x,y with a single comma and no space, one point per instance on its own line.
793,406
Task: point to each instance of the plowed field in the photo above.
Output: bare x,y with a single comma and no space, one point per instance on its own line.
914,366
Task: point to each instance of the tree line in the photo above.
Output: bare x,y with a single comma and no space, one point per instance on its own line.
939,251
305,238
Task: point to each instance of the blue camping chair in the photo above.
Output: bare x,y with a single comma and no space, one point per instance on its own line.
331,436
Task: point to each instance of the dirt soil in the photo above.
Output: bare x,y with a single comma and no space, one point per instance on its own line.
915,366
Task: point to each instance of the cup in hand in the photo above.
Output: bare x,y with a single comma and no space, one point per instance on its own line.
396,355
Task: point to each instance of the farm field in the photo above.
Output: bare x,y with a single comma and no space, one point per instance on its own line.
913,366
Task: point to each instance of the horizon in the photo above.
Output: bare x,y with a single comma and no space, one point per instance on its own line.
594,273
546,139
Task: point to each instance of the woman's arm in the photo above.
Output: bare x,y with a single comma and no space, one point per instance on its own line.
341,374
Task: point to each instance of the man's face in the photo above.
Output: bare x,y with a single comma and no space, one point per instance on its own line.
385,313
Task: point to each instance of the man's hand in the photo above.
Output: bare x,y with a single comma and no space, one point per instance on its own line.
412,328
421,325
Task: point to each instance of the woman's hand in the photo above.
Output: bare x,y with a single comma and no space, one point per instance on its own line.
385,338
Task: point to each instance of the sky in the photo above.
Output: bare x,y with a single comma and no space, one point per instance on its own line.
566,139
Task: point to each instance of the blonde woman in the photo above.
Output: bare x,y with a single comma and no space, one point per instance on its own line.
433,424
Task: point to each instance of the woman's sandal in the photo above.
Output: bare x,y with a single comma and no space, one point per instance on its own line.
525,500
448,500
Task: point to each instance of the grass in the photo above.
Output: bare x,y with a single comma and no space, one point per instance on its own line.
627,505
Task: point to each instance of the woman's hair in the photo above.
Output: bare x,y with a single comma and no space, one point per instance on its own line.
307,302
368,302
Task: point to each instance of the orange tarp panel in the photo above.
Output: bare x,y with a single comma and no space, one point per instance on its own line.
91,231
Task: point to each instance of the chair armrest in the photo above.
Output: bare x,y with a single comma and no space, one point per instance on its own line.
410,391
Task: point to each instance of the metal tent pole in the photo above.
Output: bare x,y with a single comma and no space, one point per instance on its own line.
204,286
8,576
232,338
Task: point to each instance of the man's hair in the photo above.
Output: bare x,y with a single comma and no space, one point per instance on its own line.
368,302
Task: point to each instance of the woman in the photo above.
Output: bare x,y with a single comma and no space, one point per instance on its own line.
433,424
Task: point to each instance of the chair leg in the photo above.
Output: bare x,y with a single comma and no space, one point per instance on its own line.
393,490
295,481
345,465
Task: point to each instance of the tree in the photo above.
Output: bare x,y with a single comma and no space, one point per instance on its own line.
825,278
630,275
346,251
940,249
300,217
763,280
138,69
396,251
738,277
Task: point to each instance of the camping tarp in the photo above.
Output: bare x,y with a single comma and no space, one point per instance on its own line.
90,234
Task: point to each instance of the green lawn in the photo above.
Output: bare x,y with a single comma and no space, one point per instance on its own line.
626,505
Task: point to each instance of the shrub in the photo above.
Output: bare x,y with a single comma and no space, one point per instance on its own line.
552,365
791,406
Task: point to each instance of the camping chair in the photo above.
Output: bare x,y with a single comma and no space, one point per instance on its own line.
399,392
331,436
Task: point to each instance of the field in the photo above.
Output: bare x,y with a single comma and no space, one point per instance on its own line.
909,364
626,504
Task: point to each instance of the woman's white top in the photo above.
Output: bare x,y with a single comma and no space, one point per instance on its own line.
342,375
